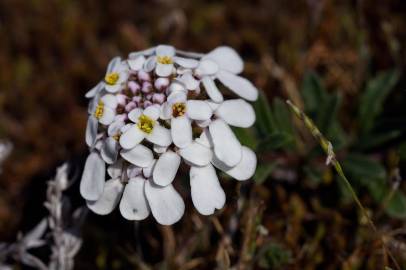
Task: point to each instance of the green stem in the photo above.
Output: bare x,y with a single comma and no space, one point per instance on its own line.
328,149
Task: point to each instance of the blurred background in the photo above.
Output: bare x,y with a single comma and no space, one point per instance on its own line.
340,61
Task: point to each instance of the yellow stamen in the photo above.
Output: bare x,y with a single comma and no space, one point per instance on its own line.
117,136
112,78
98,113
145,123
164,60
178,109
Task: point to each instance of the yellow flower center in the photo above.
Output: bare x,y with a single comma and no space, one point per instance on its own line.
145,123
164,60
117,136
178,109
112,78
98,113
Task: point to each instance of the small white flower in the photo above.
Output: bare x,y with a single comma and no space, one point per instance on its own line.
116,77
138,198
145,126
181,112
223,63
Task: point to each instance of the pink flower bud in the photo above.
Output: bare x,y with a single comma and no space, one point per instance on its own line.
147,103
134,87
137,99
161,83
148,97
144,76
158,98
121,99
130,106
146,87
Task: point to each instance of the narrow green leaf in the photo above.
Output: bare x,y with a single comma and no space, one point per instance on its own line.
373,98
263,113
397,205
313,92
263,172
361,166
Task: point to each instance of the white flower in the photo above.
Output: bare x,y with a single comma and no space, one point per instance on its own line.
223,63
164,59
104,113
156,95
138,198
181,112
145,126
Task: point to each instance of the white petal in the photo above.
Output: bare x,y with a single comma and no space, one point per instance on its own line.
166,204
147,171
110,101
148,51
109,199
205,138
153,111
203,123
131,137
115,170
113,88
198,110
227,58
136,63
91,130
109,150
140,155
159,149
211,89
115,127
166,168
166,111
186,62
108,116
238,85
133,171
177,97
236,112
207,194
160,135
165,50
207,67
150,64
181,130
93,178
227,148
189,81
176,86
134,205
95,90
163,70
113,64
135,114
197,154
244,170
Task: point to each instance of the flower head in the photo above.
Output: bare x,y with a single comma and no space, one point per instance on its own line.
155,110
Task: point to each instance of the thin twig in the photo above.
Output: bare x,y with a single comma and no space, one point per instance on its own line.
331,159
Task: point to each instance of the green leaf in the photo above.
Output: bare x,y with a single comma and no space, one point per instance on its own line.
263,113
246,136
374,140
397,205
327,114
275,141
282,117
360,166
313,92
263,172
373,98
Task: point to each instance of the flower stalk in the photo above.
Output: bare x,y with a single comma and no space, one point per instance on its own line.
331,159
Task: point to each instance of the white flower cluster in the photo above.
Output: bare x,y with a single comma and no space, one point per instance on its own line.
155,109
